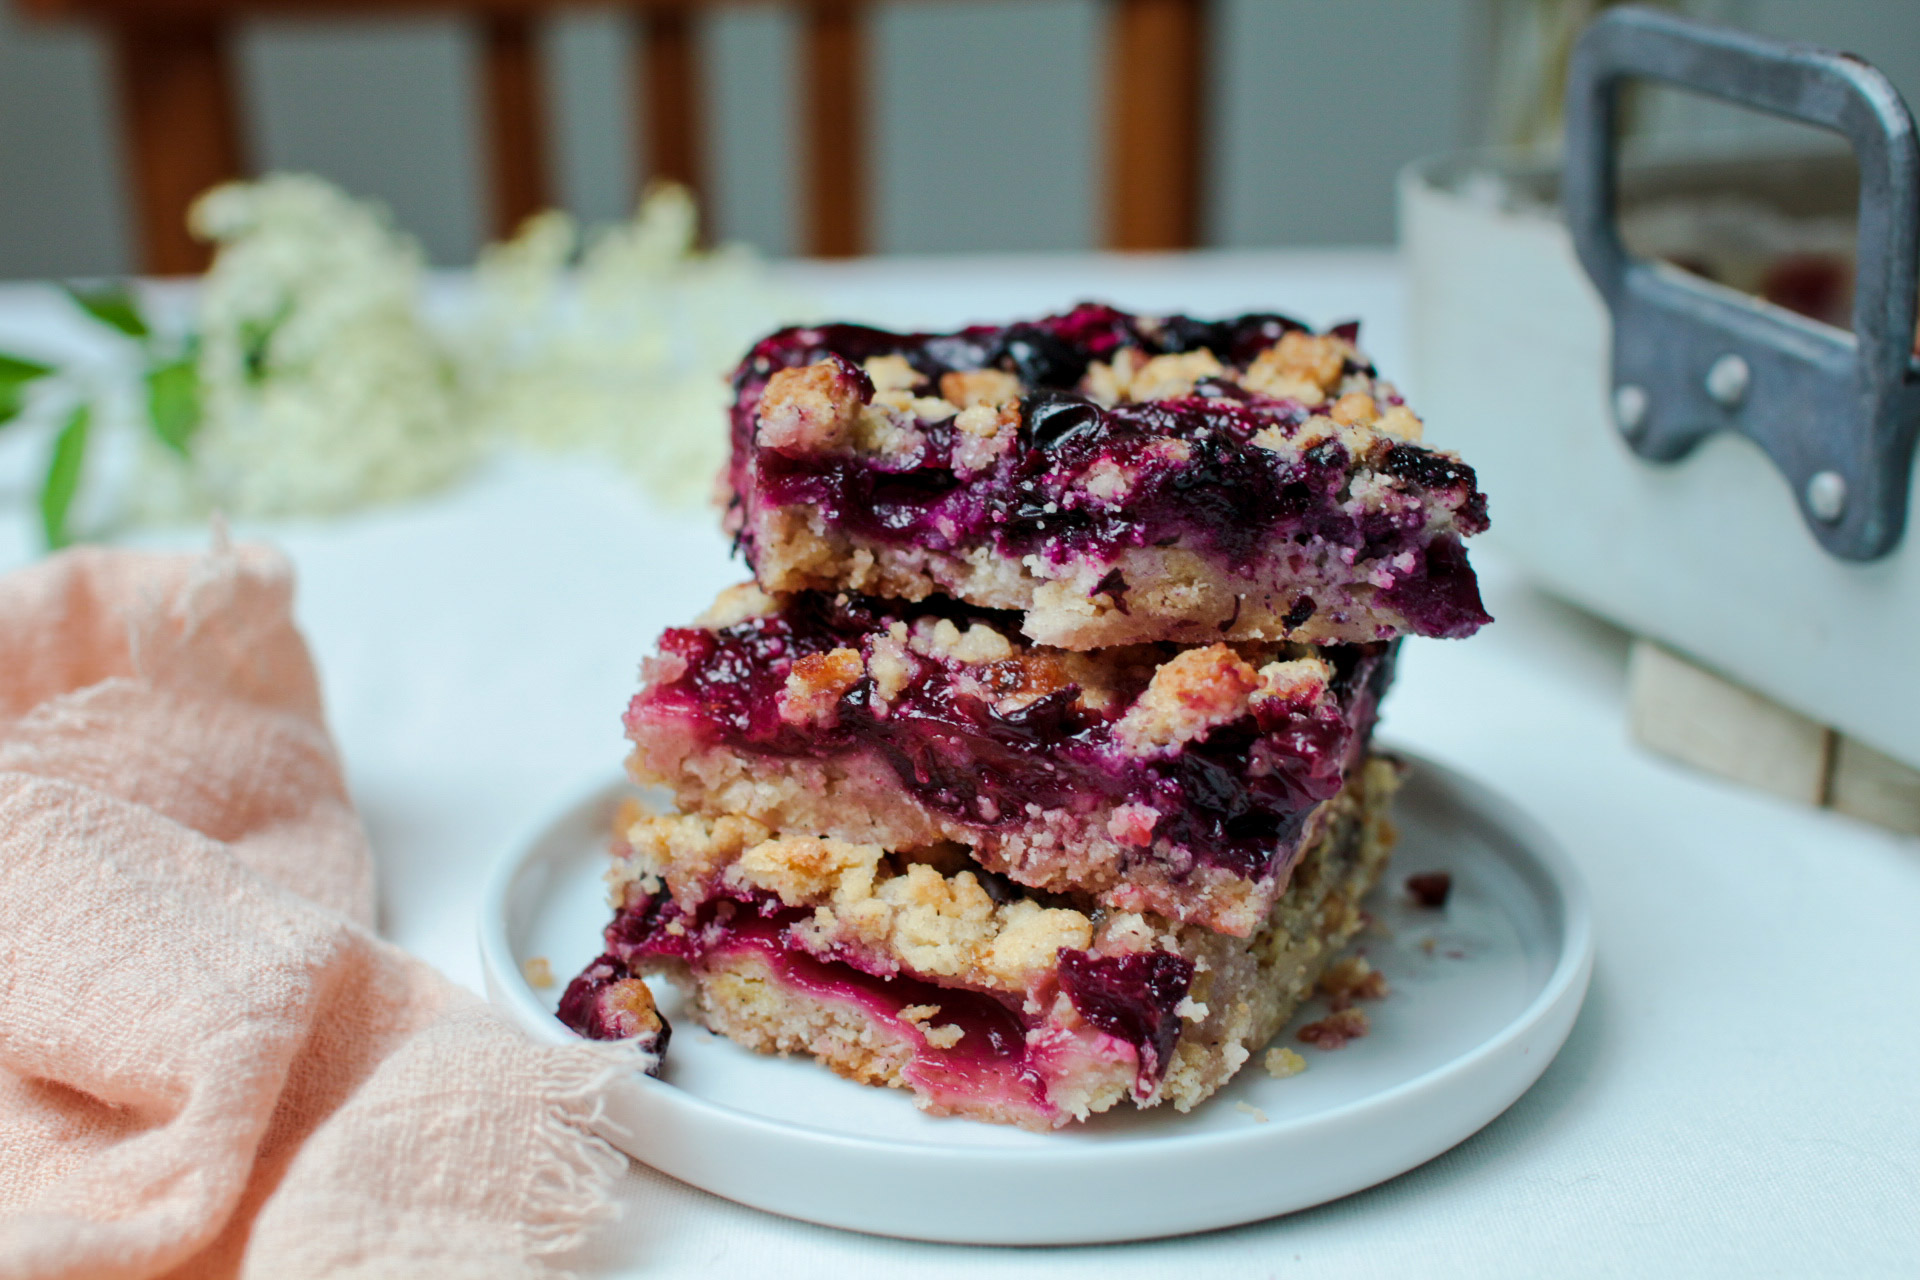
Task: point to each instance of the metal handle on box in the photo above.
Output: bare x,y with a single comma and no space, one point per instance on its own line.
1838,413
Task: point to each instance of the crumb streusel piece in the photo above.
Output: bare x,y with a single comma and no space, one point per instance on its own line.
919,972
1114,478
1182,782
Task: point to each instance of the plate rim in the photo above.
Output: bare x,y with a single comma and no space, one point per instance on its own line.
508,989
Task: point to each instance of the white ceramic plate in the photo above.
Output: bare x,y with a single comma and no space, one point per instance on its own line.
1483,994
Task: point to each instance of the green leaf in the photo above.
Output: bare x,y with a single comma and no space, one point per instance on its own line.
173,402
15,374
114,307
63,476
15,370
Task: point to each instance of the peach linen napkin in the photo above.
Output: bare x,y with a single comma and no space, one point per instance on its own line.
209,1065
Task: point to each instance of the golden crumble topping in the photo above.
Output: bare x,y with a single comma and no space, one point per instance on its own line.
1107,481
808,870
910,406
1354,409
1316,359
938,926
696,848
1171,376
816,684
813,409
891,665
1296,681
940,1037
888,428
1401,423
1190,694
737,604
983,434
940,638
1109,381
892,373
979,388
629,1004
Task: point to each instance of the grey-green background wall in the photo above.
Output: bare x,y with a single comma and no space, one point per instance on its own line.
987,132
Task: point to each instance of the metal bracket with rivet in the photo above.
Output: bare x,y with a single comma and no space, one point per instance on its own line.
1838,413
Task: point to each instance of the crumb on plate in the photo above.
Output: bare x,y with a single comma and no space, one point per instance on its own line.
1430,888
1350,979
1334,1030
1284,1063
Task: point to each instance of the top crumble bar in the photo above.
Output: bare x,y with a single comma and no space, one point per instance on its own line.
1115,478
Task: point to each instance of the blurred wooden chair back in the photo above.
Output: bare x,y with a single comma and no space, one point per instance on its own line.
178,108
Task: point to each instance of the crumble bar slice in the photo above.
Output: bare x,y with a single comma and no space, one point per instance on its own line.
1114,478
918,972
1182,782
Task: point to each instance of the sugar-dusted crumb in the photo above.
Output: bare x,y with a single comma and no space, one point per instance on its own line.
538,973
1251,1110
1334,1030
1283,1064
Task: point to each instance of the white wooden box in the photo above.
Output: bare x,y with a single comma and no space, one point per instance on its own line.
1708,555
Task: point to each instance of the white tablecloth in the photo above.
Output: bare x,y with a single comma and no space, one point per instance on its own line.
1740,1096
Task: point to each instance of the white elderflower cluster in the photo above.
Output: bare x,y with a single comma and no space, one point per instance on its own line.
624,354
321,386
325,380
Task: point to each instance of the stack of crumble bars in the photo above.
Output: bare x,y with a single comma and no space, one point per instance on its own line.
1031,773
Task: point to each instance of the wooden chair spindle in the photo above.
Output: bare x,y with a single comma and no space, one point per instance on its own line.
834,92
1156,90
181,129
515,112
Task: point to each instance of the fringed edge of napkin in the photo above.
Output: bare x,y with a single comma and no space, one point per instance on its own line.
579,1138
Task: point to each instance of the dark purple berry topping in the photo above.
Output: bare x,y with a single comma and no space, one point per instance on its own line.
1135,997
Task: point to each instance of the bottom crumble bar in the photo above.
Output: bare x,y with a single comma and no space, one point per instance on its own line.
985,1000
